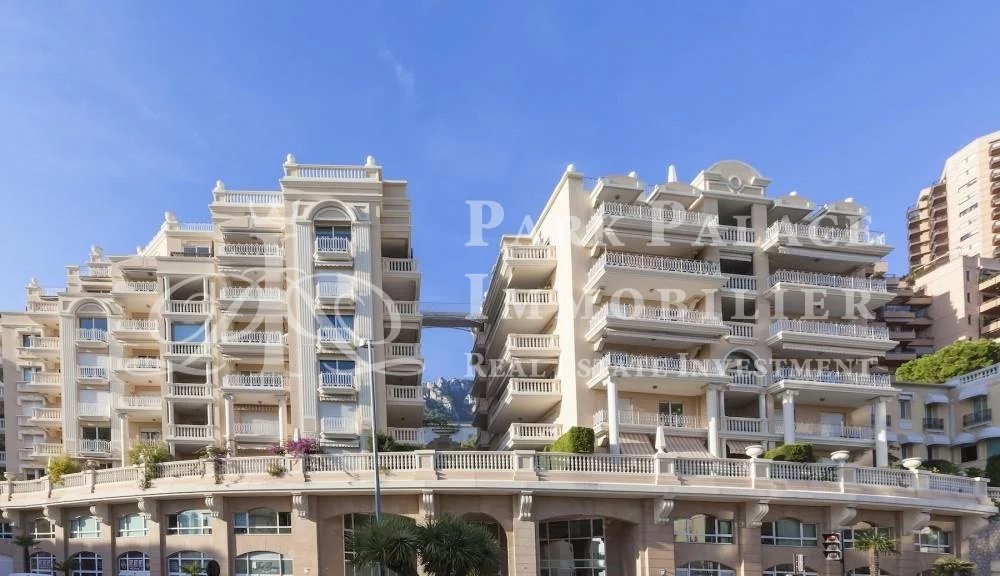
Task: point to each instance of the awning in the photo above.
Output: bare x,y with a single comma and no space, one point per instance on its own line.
935,398
964,438
911,438
977,389
988,432
635,445
686,446
739,446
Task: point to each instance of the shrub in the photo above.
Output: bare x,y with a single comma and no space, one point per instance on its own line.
578,440
942,467
387,443
952,360
297,448
152,453
791,453
275,469
59,466
992,470
973,472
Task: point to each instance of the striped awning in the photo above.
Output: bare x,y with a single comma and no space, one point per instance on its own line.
739,446
934,398
686,446
635,444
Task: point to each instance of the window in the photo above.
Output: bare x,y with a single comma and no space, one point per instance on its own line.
188,522
132,525
261,563
703,529
262,521
26,340
934,540
572,547
980,404
342,231
850,534
28,373
339,321
133,562
86,564
788,570
95,433
181,332
42,529
41,563
6,531
788,532
177,561
326,366
705,568
671,413
992,447
84,527
906,451
192,250
905,408
969,453
93,324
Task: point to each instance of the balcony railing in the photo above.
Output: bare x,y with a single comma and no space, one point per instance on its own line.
406,435
528,252
399,265
405,393
740,282
137,287
238,198
338,290
983,416
251,249
660,364
240,337
139,364
534,386
824,234
934,424
252,293
828,430
404,350
92,372
189,390
746,378
191,431
94,446
828,280
187,348
91,410
832,377
830,329
651,214
47,414
136,325
740,425
527,343
338,425
47,449
186,306
42,307
140,402
653,313
335,245
531,432
258,428
337,381
652,419
987,373
261,380
42,343
650,262
742,329
335,334
91,335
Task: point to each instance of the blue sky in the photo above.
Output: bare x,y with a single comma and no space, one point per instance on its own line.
112,112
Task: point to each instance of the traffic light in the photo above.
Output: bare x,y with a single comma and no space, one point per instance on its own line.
833,547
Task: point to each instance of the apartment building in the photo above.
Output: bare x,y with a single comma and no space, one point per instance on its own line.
241,331
909,321
650,287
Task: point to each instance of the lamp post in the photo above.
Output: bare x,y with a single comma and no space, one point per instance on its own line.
371,406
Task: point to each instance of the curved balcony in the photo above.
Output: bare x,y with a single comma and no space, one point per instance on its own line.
835,388
252,343
796,292
337,383
798,246
644,373
333,249
526,265
805,338
677,328
625,273
524,400
633,226
250,254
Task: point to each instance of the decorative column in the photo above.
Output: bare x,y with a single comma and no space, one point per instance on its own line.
123,436
762,406
306,318
282,403
228,432
881,434
613,417
788,414
712,408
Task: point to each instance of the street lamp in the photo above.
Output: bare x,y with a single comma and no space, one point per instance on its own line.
371,405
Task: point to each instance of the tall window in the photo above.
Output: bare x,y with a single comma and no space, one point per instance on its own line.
84,527
969,453
704,529
326,366
183,332
337,231
904,409
934,540
132,525
705,568
262,521
132,562
41,563
263,563
86,564
788,532
41,529
851,534
572,547
28,373
176,562
86,323
188,522
6,531
339,321
671,413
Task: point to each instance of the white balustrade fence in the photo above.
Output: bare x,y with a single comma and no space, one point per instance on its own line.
803,232
828,280
335,244
830,329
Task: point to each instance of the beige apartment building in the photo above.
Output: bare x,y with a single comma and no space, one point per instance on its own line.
256,327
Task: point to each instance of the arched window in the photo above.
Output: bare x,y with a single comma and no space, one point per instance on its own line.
263,563
177,561
576,546
262,521
84,527
132,562
42,528
132,525
705,568
41,563
190,522
934,540
86,564
788,570
6,531
788,532
703,529
850,534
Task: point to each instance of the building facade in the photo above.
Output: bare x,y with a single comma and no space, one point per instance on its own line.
908,317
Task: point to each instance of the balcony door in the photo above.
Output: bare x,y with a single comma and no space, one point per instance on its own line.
832,423
671,413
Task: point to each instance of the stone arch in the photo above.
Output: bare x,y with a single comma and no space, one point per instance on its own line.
90,306
739,355
494,527
333,211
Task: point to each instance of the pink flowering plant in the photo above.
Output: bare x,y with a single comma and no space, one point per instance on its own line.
297,448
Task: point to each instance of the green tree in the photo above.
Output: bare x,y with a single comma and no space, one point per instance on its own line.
60,466
876,544
149,453
26,543
65,567
952,360
952,566
192,569
447,546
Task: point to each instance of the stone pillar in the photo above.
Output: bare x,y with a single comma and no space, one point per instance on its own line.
522,544
713,412
123,437
881,434
282,408
762,406
306,317
228,432
788,414
613,417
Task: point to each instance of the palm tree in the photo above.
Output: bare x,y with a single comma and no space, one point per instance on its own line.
390,542
66,567
192,569
952,566
451,546
876,544
26,542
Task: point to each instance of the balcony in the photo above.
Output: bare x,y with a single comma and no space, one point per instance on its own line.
746,380
337,383
524,435
531,348
246,198
94,447
742,284
200,392
406,405
132,293
46,449
643,373
334,338
190,433
135,330
183,350
676,328
251,300
403,315
622,272
526,265
91,337
647,422
740,426
836,433
634,226
250,254
40,346
410,436
140,403
524,399
258,430
977,418
795,292
186,308
141,366
42,383
838,249
39,308
991,307
853,389
335,249
91,411
46,417
934,424
92,373
335,294
255,343
257,382
805,338
741,332
338,427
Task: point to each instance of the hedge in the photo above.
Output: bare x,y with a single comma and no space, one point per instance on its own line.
791,453
578,440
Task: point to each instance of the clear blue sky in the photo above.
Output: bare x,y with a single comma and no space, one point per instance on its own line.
112,112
